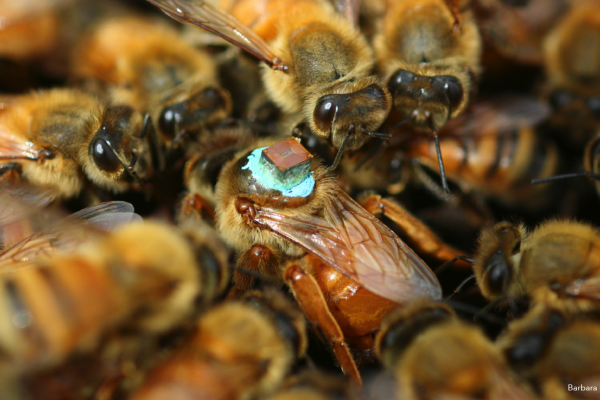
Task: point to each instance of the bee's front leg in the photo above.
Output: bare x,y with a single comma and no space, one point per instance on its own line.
258,262
195,207
311,300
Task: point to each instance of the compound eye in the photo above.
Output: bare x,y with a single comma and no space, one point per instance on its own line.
169,117
401,77
593,104
497,273
324,114
454,91
452,87
560,98
104,157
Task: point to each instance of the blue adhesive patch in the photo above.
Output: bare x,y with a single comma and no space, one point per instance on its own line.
267,178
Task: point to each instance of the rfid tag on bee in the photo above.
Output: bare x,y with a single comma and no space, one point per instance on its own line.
285,166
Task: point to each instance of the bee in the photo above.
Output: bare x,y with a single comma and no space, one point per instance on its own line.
88,293
495,150
146,64
527,339
319,68
556,264
555,353
240,350
571,362
434,355
63,139
287,219
572,69
429,65
517,28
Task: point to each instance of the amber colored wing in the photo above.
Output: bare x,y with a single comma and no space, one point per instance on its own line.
13,147
588,289
68,233
502,115
360,246
206,16
349,9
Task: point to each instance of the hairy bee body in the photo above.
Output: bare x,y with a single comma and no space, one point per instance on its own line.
556,264
319,63
429,65
63,138
241,349
434,355
572,65
107,298
501,166
146,64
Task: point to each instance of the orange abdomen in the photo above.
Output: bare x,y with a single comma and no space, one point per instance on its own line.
266,17
357,310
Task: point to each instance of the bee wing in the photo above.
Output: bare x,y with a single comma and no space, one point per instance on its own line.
206,16
16,148
584,288
349,9
107,216
360,246
19,201
501,115
66,234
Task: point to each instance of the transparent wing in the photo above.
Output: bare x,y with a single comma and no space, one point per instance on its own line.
499,116
206,16
67,233
360,246
349,9
19,201
13,147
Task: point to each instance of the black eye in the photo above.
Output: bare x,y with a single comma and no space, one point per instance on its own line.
169,117
324,114
454,92
104,157
452,87
526,351
498,273
593,104
400,77
560,98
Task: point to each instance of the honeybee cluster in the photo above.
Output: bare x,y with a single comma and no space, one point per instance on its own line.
299,199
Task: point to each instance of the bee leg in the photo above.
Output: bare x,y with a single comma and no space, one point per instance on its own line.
256,262
158,155
311,300
421,237
196,207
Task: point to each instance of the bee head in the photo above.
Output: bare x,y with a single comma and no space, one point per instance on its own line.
366,109
401,326
115,148
206,106
426,100
494,264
